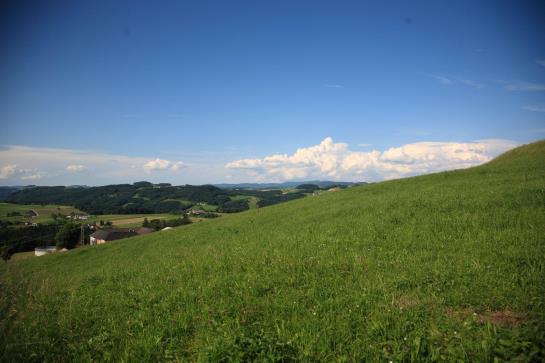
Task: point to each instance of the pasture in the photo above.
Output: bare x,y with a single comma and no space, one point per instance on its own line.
444,267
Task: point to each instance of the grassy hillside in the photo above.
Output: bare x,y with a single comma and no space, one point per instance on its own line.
444,267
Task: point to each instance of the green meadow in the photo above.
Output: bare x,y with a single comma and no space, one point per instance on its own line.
438,268
44,212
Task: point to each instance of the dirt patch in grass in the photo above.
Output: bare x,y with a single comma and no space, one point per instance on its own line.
405,301
506,318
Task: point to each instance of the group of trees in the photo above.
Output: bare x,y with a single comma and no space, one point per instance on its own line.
22,239
234,206
159,224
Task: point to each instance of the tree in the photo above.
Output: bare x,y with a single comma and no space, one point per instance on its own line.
145,223
68,236
6,253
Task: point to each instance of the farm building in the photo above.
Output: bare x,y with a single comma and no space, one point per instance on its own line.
40,251
106,235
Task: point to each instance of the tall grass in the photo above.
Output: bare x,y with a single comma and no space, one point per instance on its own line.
443,267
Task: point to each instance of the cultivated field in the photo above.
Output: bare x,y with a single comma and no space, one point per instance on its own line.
129,220
446,267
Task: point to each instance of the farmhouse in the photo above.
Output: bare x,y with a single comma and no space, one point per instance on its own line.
197,212
106,235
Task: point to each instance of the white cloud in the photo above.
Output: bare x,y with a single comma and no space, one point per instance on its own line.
161,164
177,166
76,168
329,160
33,175
533,108
524,86
7,171
11,171
65,166
157,164
541,62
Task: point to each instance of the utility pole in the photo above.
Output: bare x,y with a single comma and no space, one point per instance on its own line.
81,235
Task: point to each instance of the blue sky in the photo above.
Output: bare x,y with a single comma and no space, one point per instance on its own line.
207,85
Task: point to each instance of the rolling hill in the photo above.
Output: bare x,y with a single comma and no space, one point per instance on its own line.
443,267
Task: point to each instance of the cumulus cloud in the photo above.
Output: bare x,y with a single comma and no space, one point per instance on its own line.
76,168
336,161
7,171
66,166
161,164
11,170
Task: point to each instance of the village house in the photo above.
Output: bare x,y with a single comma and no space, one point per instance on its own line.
76,216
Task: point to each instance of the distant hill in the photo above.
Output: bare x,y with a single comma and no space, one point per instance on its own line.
285,185
5,192
444,267
145,197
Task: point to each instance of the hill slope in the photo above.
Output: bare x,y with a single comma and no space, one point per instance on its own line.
432,268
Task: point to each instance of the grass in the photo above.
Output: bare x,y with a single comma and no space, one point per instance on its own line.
445,267
22,256
44,212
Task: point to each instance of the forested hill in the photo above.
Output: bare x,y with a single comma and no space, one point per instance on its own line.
145,197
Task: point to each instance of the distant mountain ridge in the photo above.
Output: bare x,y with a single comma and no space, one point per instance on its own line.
284,185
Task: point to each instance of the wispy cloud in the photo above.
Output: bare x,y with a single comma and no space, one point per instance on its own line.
471,83
76,168
541,62
447,81
524,86
441,79
333,86
532,108
330,160
364,145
